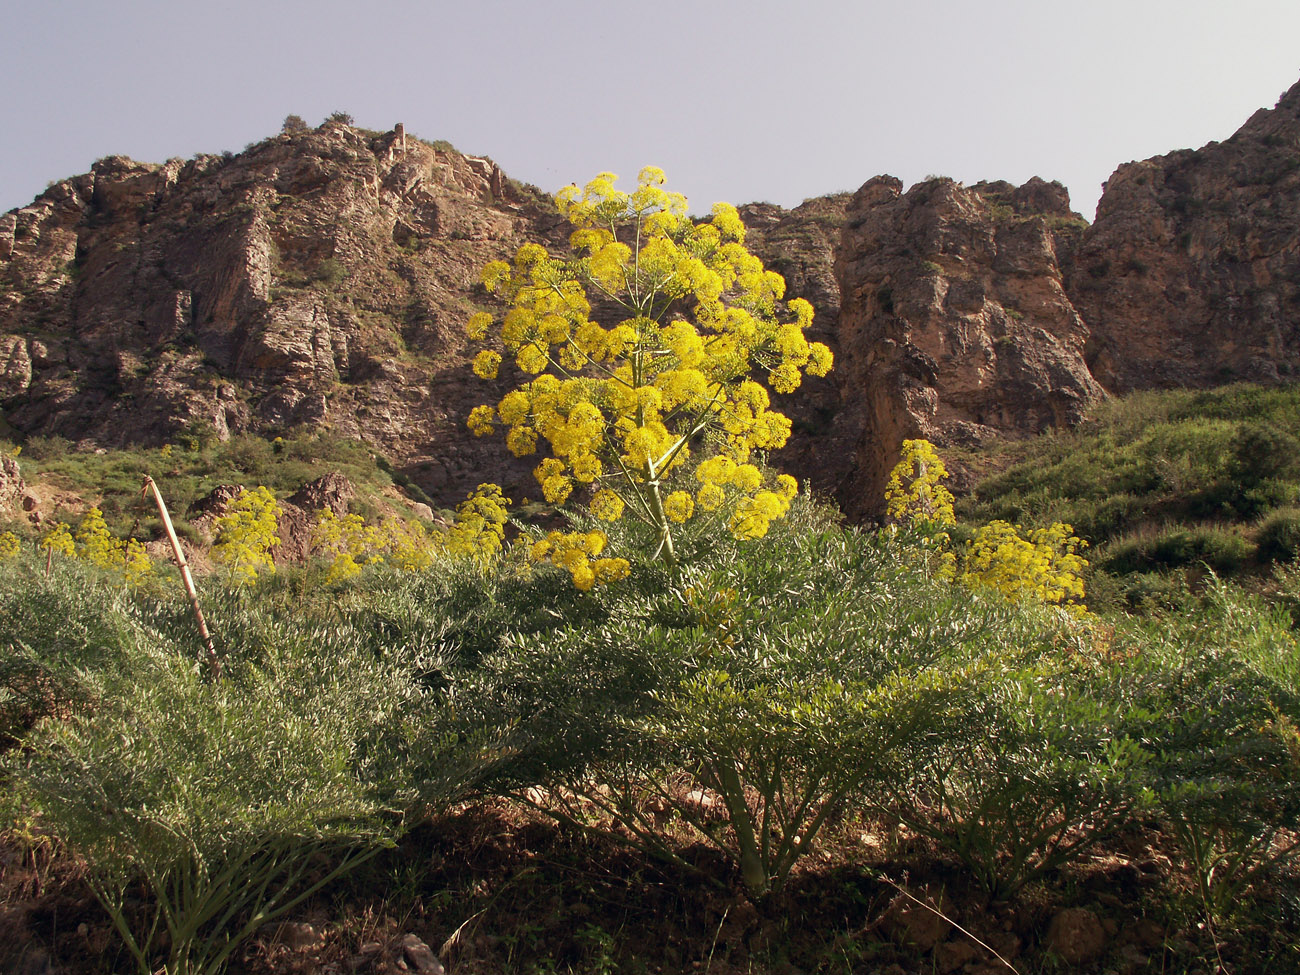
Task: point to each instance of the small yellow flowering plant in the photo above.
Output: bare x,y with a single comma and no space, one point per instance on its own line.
640,352
915,493
246,533
349,543
1042,564
95,544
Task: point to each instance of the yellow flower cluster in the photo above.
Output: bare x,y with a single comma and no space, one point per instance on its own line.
620,405
350,544
578,554
409,545
59,540
480,524
246,533
915,493
1044,565
741,487
97,545
754,513
9,546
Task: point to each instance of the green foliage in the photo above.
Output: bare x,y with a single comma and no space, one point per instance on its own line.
1279,535
283,465
51,635
1219,548
230,799
1215,691
246,533
763,691
1016,778
751,721
1155,480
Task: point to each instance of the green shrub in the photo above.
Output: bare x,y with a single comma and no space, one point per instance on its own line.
1152,463
1279,536
1016,778
1215,692
46,448
229,799
1222,549
776,684
54,636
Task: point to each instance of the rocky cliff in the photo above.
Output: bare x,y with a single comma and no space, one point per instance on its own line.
1191,273
955,325
322,278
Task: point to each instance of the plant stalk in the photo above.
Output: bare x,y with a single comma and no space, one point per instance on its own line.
213,661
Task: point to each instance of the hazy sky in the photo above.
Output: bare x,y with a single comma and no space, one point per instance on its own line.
774,100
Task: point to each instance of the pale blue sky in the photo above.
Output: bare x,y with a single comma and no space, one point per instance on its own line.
754,100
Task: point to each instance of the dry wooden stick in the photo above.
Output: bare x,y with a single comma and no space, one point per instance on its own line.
214,662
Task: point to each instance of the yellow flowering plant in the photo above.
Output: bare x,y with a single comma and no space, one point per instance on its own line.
348,542
59,539
246,533
640,351
94,543
915,492
1043,563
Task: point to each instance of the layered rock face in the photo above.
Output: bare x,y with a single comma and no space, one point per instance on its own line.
1191,273
321,278
12,488
800,245
955,325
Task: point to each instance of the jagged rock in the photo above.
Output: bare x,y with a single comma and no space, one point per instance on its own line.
215,502
800,245
294,529
954,323
332,491
15,365
12,487
1190,275
952,955
322,278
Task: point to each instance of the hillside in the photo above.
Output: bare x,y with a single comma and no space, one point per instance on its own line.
320,279
1164,485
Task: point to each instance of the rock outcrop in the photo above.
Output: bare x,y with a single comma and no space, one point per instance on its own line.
294,522
1190,275
12,488
322,278
954,323
800,245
